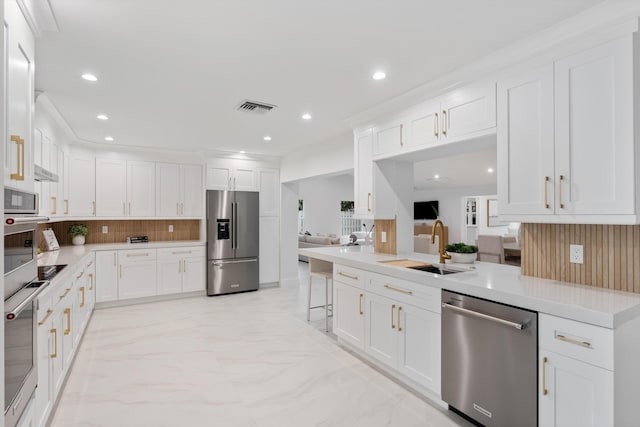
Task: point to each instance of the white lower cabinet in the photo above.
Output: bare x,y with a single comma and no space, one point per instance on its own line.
137,273
106,276
381,331
181,269
28,418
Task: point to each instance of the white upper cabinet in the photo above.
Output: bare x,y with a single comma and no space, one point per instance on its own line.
363,174
179,190
566,139
111,187
231,175
269,187
141,182
18,58
82,185
464,113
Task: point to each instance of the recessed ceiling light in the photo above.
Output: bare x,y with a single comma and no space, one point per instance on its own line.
242,152
379,75
102,117
267,138
436,176
490,170
89,77
108,138
306,116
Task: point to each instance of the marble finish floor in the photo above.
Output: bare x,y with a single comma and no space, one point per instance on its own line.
245,360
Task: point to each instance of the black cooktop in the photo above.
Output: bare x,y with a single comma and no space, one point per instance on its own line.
47,272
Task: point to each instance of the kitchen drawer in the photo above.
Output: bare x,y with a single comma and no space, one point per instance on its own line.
133,255
62,293
45,308
416,294
349,276
182,252
581,341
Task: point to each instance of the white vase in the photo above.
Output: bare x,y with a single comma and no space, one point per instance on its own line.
77,240
463,258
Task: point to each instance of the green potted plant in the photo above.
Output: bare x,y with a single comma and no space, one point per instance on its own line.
78,233
463,253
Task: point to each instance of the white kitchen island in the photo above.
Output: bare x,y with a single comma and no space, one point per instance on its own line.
588,337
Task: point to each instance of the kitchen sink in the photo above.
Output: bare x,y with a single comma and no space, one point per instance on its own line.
435,269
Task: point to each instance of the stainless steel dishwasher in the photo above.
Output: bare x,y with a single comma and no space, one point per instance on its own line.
489,361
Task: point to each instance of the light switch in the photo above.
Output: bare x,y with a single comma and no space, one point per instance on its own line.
171,228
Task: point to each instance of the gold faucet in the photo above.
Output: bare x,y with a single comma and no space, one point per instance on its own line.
443,256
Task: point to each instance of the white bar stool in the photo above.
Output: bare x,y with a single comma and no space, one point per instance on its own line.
323,269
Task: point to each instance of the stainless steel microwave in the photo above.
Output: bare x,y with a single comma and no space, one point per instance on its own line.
20,202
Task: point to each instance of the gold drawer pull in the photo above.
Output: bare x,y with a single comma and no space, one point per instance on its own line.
348,275
66,206
399,327
79,275
54,199
401,142
82,290
91,277
393,307
130,255
546,198
361,298
179,253
444,122
40,323
393,288
544,376
368,202
19,175
55,343
67,311
585,344
435,125
65,293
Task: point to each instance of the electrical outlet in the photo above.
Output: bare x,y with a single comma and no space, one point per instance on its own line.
383,237
105,229
171,228
576,254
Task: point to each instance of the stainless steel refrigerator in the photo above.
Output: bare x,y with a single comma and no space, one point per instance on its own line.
232,241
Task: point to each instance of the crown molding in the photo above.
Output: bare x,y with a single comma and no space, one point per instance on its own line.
39,16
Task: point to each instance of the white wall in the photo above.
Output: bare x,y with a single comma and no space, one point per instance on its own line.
450,205
288,233
322,197
325,158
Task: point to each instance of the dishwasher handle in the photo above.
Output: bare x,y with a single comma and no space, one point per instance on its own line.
519,326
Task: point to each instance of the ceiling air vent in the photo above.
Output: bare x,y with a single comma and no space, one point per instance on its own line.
254,107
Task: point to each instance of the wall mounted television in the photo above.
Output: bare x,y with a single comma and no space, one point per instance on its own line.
425,210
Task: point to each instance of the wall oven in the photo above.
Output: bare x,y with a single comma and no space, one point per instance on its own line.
20,292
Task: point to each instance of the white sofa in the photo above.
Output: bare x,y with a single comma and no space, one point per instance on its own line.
306,241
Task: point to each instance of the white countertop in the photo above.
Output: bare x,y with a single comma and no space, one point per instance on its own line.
498,282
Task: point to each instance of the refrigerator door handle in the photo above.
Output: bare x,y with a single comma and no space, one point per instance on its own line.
235,261
235,225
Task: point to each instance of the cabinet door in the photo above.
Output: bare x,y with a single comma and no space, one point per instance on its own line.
137,279
594,105
169,276
111,187
65,183
218,178
419,346
388,138
525,144
90,283
363,174
57,353
423,127
193,274
167,189
141,185
381,329
19,79
577,394
82,186
468,111
348,313
244,179
28,417
106,276
269,187
269,251
44,393
192,194
68,331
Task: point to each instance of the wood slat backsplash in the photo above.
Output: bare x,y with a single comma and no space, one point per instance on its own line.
611,254
119,230
390,246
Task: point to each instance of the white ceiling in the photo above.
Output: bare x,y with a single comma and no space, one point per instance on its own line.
172,71
469,169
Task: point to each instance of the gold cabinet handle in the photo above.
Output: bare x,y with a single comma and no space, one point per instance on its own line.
54,331
348,275
401,128
124,209
181,253
54,199
177,208
65,293
121,271
91,279
114,259
435,125
67,311
82,290
94,207
399,327
393,308
361,298
182,208
19,175
42,322
129,208
184,265
66,206
546,196
180,266
544,376
133,255
444,123
560,191
79,275
393,288
585,344
368,202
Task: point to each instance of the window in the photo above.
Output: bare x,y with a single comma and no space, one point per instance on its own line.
348,224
